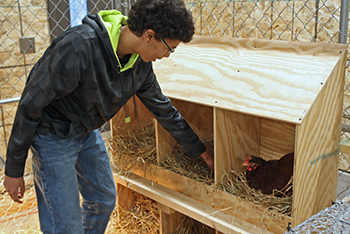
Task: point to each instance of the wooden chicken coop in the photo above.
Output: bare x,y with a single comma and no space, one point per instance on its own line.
260,97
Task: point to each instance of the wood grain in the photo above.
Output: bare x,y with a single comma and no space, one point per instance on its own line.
317,139
271,79
228,203
169,221
199,211
130,117
125,199
344,146
164,143
236,136
199,117
276,139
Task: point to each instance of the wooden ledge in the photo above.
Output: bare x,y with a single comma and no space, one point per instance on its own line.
344,147
192,208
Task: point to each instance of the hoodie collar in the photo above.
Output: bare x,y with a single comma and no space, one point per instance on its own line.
113,20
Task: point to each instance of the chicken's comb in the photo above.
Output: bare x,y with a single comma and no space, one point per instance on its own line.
249,158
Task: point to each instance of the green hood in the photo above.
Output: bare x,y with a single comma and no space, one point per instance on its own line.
113,20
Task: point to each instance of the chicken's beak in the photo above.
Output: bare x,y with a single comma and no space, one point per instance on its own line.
245,164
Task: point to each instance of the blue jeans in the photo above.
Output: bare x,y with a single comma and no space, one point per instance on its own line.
62,168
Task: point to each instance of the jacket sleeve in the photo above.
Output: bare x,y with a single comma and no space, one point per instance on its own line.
53,76
169,117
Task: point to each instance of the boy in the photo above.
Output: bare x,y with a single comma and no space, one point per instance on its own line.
82,81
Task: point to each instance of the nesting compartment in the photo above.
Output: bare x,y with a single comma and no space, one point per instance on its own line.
260,97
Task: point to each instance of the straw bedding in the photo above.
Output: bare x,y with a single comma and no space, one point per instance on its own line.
133,148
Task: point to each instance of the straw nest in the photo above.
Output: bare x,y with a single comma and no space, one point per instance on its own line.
129,149
135,148
235,183
192,168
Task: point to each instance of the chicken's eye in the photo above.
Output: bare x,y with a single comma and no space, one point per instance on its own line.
252,166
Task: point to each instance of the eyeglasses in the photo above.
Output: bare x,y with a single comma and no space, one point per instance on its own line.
167,46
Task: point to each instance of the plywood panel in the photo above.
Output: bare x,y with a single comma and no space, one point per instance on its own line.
11,32
195,8
344,147
256,17
31,21
236,137
282,20
130,117
8,114
234,77
303,27
165,143
125,199
276,139
277,20
169,221
35,24
317,139
213,18
244,25
199,117
12,81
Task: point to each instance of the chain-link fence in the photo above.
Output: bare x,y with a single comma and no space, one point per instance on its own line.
28,27
334,219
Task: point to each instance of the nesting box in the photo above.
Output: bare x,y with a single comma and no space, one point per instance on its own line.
260,97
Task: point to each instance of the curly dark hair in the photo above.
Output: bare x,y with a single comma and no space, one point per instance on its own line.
167,18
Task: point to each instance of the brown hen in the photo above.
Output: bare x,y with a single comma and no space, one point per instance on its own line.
270,177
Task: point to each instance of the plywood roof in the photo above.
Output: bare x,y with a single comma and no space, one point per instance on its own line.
273,79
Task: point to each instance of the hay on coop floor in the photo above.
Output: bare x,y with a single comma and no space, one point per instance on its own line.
191,226
143,217
140,147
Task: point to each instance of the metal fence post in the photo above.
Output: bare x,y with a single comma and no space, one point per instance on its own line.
344,17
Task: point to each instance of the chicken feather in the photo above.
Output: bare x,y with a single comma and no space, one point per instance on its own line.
270,177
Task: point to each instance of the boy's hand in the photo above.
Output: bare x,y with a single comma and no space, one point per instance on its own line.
15,188
208,158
